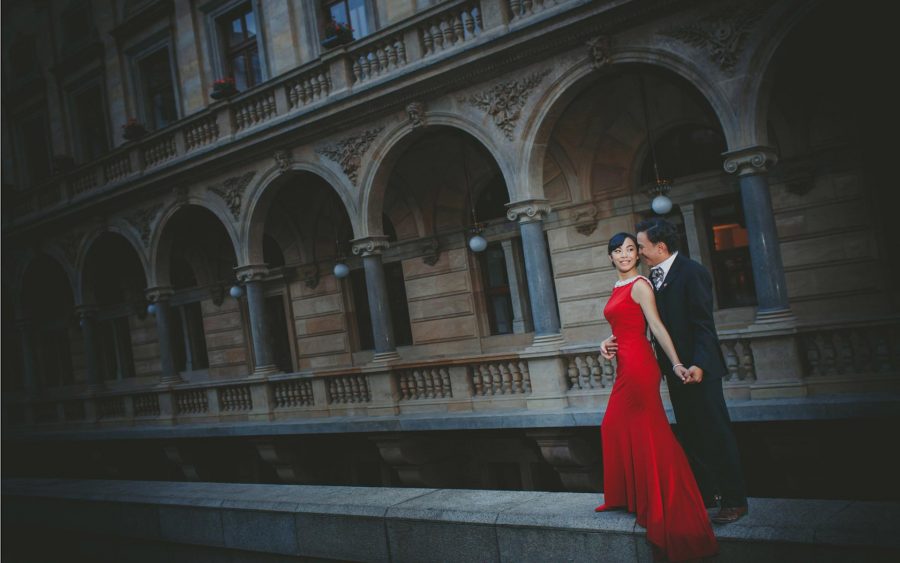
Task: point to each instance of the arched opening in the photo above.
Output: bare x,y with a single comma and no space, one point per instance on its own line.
48,306
207,327
114,282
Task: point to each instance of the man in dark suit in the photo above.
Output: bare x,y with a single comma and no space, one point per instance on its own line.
685,303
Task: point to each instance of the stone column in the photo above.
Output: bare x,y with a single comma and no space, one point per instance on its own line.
87,320
159,297
29,371
252,277
514,275
765,251
376,288
530,215
695,229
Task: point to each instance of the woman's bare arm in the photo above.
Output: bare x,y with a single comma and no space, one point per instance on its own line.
643,295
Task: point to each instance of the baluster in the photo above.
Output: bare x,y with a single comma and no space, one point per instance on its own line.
427,40
447,391
438,35
595,376
382,58
458,28
468,24
731,360
477,381
572,373
813,356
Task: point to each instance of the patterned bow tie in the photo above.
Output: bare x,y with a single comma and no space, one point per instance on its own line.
656,276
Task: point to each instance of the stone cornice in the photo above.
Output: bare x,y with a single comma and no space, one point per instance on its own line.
528,210
751,160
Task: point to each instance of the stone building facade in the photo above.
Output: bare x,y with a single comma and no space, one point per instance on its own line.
170,235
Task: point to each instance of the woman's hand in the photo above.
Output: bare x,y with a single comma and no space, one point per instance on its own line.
682,373
608,347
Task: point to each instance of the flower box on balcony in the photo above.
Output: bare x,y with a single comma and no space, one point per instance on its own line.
223,88
133,130
337,34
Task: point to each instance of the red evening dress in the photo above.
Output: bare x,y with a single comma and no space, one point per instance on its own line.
644,468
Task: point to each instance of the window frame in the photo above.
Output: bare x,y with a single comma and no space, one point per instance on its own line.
371,17
136,55
215,12
26,115
75,88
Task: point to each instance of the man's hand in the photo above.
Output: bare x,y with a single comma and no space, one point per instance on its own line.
695,375
681,372
609,347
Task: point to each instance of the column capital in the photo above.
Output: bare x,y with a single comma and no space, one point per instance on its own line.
158,293
528,210
368,246
252,272
86,311
750,160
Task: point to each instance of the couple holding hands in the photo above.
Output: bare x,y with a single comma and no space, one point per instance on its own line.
645,469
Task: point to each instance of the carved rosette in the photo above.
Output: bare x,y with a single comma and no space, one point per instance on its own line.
232,191
416,113
251,273
284,159
158,293
722,33
143,219
370,246
527,211
431,251
755,160
504,102
348,153
598,51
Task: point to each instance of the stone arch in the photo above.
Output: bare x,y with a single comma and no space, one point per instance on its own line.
119,228
263,194
540,124
161,243
388,150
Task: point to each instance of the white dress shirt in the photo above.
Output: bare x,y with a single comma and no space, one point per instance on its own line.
666,265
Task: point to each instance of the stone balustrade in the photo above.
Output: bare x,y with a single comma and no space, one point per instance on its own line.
580,377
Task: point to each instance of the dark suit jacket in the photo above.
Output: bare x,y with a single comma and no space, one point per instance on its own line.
685,305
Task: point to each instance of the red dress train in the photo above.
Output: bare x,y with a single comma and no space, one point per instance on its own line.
644,468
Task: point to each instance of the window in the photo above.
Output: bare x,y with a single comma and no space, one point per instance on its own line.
730,252
352,12
89,122
158,88
496,289
238,35
114,349
35,148
396,289
188,338
77,25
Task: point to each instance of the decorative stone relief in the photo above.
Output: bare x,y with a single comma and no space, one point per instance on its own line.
311,276
755,160
348,153
504,102
721,34
252,273
370,245
232,191
284,159
181,194
431,251
416,112
530,210
598,50
586,220
142,220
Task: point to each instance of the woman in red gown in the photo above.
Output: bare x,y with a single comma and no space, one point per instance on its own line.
645,471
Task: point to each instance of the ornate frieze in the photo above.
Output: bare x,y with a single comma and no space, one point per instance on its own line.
528,210
142,219
754,160
722,33
284,159
232,191
370,245
598,51
504,102
348,152
416,112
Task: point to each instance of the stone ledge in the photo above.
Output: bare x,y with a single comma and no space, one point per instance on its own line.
390,524
820,407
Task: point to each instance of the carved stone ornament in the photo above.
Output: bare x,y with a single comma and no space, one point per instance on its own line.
70,244
370,245
159,293
217,294
754,160
251,273
348,153
586,220
416,112
232,191
311,276
598,50
181,194
722,33
526,211
284,159
431,251
142,220
504,102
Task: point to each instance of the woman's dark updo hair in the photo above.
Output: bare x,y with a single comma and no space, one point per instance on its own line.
618,240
